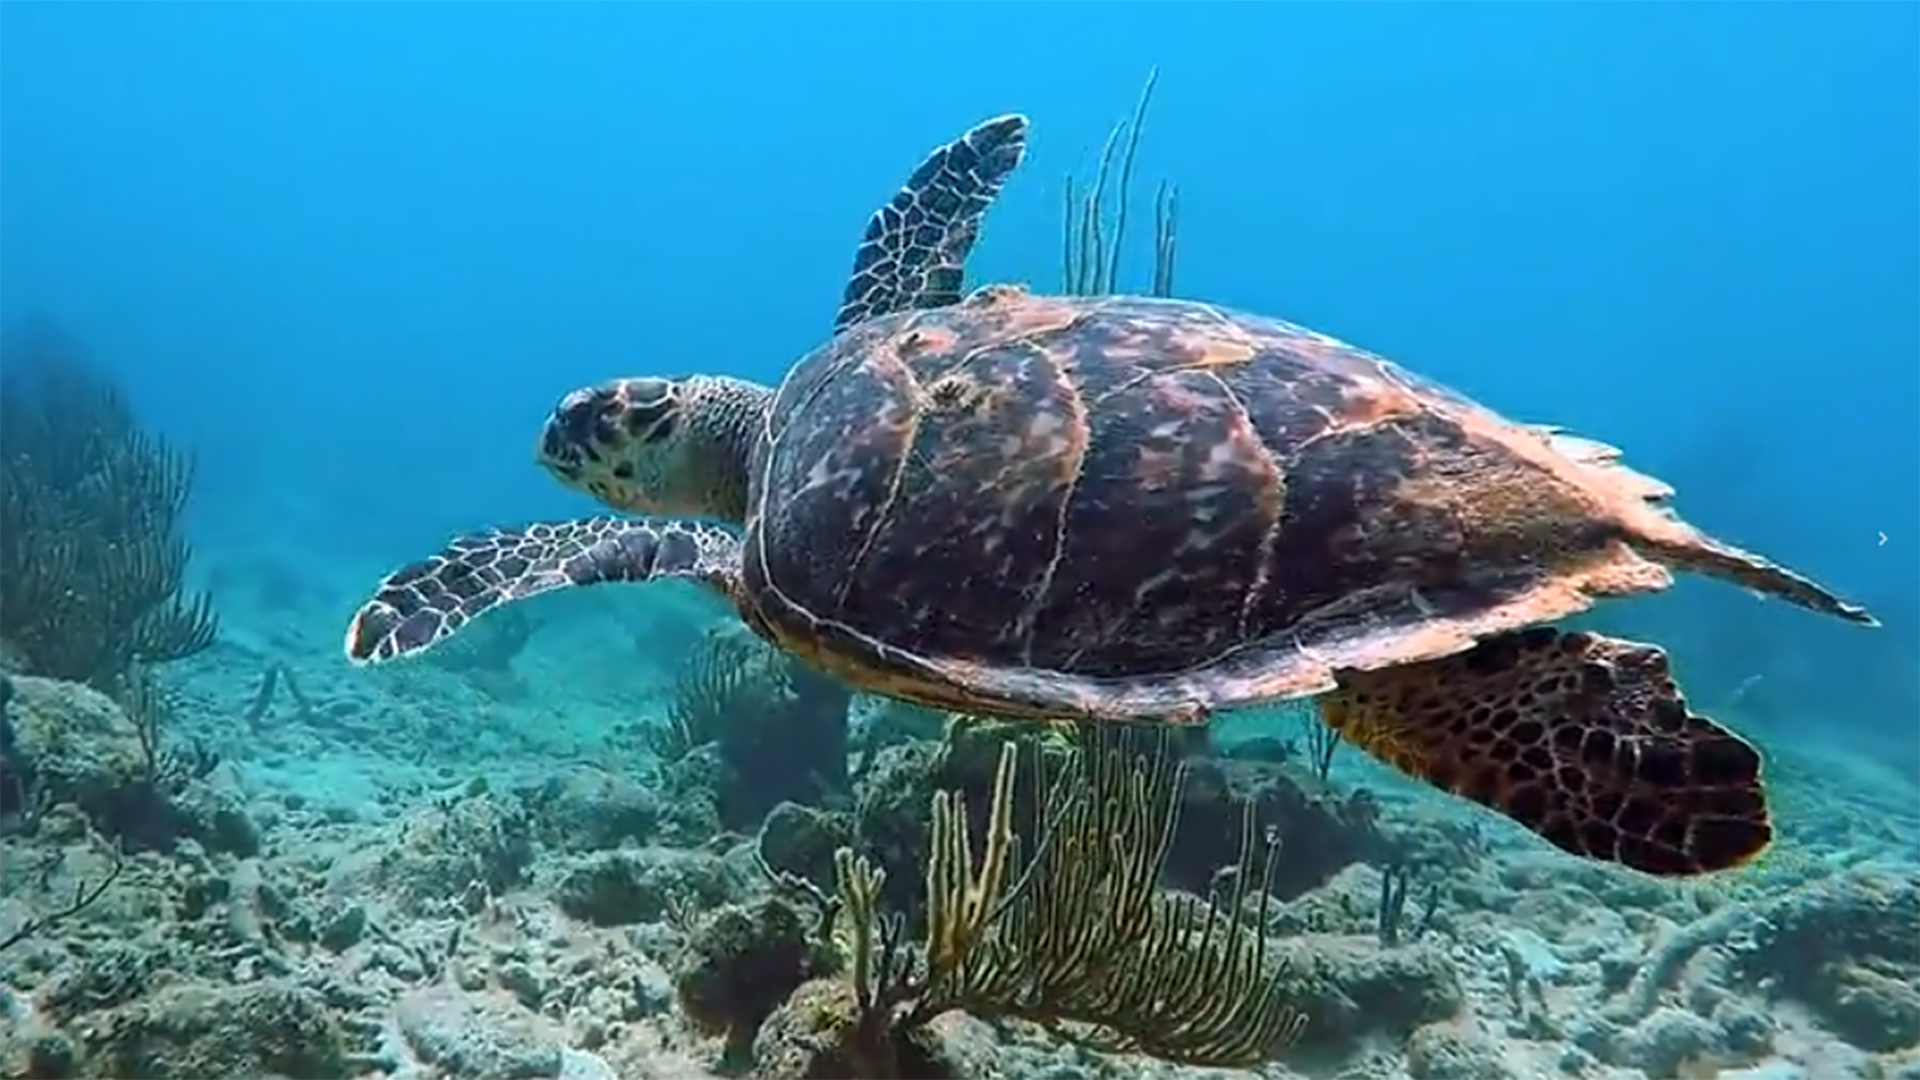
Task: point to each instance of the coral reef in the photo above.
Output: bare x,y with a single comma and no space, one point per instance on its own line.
742,961
1848,947
540,917
74,759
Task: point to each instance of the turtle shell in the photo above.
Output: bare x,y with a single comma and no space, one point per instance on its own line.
1134,507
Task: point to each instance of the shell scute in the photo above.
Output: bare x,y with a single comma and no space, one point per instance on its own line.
999,430
1176,496
821,488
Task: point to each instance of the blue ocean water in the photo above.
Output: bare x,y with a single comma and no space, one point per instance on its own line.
352,254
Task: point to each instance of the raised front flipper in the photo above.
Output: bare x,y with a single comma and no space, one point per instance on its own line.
1583,739
423,604
915,251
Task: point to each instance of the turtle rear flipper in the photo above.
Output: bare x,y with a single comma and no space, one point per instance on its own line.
914,253
423,604
1583,739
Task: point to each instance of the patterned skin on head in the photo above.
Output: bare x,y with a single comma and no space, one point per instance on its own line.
658,446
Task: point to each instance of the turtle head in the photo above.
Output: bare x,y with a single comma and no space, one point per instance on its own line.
658,446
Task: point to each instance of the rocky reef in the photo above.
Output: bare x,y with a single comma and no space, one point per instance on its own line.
317,895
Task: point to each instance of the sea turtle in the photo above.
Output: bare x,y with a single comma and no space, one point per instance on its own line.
1123,508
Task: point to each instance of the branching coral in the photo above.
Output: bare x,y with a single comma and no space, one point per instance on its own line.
1095,233
1080,937
780,726
92,558
721,677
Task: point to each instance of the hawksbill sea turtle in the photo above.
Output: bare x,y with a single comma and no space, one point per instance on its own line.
1142,508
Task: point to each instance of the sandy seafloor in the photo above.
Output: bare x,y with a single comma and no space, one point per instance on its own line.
385,879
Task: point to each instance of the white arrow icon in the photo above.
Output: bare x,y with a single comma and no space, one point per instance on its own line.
1883,539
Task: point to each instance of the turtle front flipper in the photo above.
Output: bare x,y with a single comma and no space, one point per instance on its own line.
915,250
1583,739
423,604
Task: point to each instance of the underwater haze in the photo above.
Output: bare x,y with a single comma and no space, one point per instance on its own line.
348,257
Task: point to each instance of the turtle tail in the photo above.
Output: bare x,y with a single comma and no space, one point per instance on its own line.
1683,547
